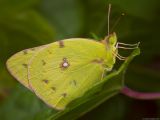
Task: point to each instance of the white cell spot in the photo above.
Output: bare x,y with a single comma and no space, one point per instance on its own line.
65,64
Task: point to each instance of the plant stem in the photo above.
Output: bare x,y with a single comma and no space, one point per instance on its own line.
140,95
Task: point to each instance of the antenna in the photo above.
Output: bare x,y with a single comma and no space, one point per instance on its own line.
117,21
109,11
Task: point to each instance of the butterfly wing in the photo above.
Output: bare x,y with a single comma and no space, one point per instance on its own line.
17,64
71,68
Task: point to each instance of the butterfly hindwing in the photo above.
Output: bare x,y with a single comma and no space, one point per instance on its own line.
17,64
65,70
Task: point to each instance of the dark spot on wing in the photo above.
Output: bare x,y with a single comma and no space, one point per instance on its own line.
25,65
64,59
54,89
73,82
99,61
49,52
43,62
61,44
64,94
45,81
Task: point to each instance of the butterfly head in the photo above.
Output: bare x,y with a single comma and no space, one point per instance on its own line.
112,47
111,40
110,43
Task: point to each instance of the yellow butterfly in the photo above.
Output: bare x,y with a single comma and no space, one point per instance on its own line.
64,70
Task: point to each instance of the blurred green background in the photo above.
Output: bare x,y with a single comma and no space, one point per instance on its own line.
30,23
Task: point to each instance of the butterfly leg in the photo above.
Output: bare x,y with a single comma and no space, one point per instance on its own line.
127,46
103,74
105,70
124,46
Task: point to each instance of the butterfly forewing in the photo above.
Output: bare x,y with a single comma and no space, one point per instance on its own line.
65,70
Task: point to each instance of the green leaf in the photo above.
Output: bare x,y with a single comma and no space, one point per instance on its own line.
22,105
6,81
21,26
10,6
102,91
108,110
65,15
30,23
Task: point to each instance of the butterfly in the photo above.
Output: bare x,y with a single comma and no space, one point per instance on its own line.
62,71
